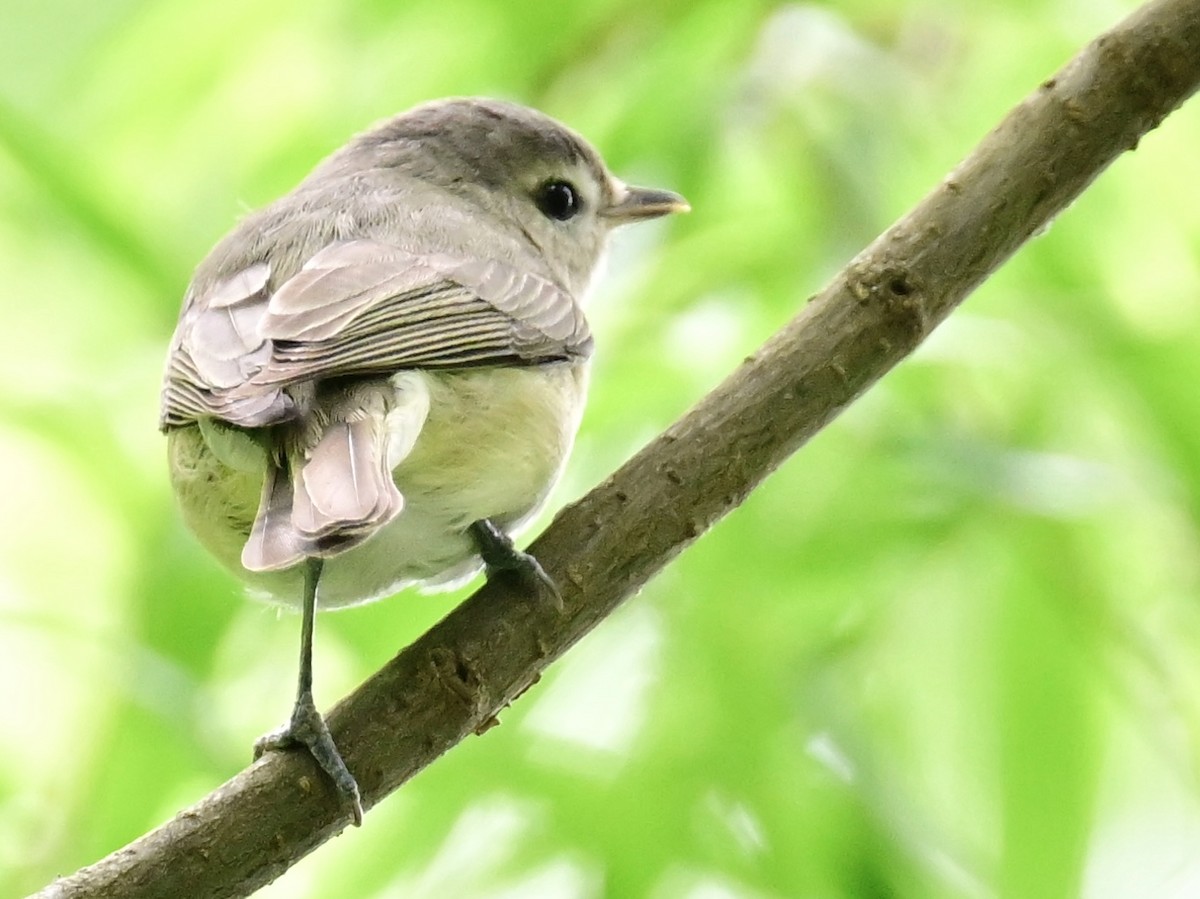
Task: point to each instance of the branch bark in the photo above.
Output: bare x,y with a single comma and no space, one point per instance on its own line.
458,676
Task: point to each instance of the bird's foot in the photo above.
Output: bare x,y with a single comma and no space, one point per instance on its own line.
500,556
307,728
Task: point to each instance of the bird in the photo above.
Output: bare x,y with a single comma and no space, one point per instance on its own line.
376,380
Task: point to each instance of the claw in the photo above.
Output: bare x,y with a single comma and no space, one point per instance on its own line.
307,728
500,555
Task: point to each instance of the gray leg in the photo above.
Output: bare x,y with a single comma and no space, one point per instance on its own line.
307,728
499,555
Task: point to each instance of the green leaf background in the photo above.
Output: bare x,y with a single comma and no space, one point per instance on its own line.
948,650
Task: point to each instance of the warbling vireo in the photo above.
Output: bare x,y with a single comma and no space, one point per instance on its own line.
376,380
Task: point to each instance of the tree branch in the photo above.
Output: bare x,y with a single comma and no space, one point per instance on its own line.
457,677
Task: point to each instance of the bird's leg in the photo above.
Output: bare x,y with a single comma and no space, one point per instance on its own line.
306,727
500,555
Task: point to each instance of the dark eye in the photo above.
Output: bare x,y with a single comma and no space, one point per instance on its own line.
558,200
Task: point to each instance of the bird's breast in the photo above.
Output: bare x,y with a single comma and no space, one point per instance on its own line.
494,441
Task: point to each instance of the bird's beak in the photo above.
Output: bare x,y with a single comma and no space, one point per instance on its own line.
635,204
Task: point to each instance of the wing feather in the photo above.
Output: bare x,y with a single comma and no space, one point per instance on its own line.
357,308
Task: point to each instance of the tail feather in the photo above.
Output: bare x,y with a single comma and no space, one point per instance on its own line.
335,488
274,542
345,491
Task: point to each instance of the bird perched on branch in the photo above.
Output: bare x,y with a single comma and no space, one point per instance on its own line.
376,380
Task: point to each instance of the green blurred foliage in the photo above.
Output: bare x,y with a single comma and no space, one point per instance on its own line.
950,650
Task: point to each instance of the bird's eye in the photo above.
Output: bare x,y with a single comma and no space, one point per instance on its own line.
558,200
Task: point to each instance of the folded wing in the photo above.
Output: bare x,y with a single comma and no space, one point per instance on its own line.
357,308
